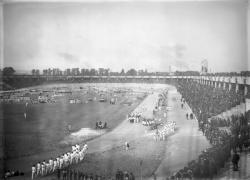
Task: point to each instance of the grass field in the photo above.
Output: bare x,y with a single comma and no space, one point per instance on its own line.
41,134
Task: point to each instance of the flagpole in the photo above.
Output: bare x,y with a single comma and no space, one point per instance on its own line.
141,168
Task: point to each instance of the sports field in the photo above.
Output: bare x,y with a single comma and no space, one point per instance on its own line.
43,133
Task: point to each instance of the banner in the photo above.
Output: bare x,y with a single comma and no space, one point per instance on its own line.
247,104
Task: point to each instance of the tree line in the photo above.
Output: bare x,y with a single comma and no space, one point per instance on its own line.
9,71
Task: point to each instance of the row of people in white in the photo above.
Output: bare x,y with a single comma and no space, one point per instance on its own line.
75,156
166,130
134,116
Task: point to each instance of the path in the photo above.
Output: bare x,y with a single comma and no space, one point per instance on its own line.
186,144
125,131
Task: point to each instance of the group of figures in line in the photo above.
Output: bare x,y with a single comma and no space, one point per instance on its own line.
74,157
134,117
166,130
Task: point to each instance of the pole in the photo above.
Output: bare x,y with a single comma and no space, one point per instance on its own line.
141,169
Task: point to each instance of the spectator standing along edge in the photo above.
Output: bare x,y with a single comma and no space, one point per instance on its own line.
235,161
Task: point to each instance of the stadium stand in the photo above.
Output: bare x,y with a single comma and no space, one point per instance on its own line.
225,135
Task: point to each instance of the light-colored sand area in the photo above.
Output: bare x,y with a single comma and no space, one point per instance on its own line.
82,135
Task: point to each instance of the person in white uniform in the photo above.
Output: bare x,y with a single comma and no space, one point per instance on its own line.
33,172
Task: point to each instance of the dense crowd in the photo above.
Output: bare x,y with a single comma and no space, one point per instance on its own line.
124,175
72,174
10,173
61,162
207,102
167,129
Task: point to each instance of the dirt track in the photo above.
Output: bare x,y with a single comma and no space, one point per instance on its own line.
186,144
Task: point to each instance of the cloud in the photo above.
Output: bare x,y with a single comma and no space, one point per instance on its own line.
69,58
179,50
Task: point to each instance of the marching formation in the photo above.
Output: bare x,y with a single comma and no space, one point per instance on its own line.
75,156
166,130
134,117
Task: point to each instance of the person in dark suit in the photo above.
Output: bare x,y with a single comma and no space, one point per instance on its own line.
235,161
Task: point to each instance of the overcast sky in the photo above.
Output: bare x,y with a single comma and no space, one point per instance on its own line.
141,35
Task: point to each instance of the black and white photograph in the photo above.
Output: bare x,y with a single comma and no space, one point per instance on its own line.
124,89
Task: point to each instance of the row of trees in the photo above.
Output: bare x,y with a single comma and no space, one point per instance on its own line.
95,72
8,71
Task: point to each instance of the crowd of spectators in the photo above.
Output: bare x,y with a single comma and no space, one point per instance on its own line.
72,174
10,173
124,175
207,102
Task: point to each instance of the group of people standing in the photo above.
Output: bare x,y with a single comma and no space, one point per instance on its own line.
124,175
134,117
47,167
101,125
72,174
167,129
